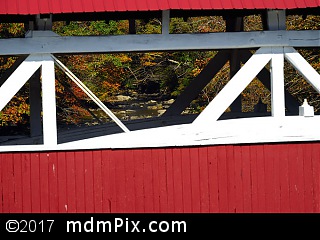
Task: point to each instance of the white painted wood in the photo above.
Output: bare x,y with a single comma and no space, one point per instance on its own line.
233,131
234,87
17,79
165,21
303,67
90,94
49,101
306,110
158,42
277,83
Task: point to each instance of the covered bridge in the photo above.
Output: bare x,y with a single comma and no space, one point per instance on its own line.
211,162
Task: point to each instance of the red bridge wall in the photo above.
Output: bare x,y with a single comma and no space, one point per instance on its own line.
239,178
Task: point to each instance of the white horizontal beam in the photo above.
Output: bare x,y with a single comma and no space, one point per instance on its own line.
158,42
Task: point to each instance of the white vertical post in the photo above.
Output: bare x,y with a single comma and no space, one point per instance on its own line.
49,102
277,83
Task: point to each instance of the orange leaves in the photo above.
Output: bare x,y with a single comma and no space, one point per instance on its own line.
16,112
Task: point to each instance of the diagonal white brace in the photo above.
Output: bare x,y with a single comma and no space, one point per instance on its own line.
303,67
234,87
17,79
90,94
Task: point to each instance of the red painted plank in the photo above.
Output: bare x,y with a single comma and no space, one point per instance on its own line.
53,183
213,179
238,179
195,179
186,183
156,179
8,182
79,184
71,206
148,181
106,185
246,179
26,182
177,180
254,178
277,148
261,182
17,181
284,178
170,179
231,178
62,182
129,180
269,177
295,204
88,181
300,178
316,176
44,182
120,180
308,181
204,180
112,181
162,175
76,6
222,178
97,181
35,182
139,180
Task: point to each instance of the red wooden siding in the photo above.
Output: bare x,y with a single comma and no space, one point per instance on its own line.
247,178
25,7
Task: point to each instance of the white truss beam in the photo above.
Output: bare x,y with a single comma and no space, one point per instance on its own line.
17,79
303,67
49,102
235,86
34,44
277,83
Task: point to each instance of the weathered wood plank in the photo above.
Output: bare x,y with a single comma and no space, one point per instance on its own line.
62,182
156,42
53,182
204,183
88,181
71,206
44,182
213,180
